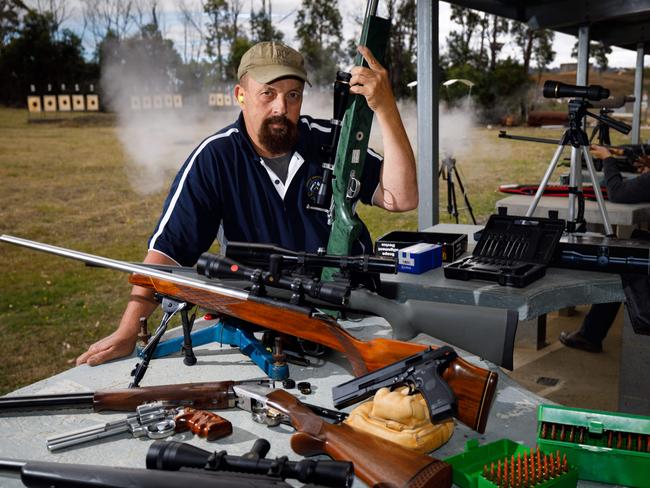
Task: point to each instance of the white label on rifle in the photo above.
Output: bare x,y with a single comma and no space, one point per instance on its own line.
356,155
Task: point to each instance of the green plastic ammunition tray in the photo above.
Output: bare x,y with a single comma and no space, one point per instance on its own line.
609,447
468,466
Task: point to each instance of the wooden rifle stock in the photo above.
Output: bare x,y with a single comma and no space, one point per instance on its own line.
473,386
376,462
216,395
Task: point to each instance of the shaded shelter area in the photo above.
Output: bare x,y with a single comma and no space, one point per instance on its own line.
620,23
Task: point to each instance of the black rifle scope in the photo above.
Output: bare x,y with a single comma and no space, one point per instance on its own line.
341,95
557,89
259,255
172,456
215,266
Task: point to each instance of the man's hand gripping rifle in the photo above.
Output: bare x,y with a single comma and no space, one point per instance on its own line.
352,147
420,372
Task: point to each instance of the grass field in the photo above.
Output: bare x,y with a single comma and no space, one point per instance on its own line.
67,183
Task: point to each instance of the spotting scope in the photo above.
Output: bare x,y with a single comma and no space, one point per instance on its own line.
557,89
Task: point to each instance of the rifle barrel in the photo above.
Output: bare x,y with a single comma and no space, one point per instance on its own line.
124,266
40,402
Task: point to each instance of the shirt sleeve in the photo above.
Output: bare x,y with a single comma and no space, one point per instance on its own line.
192,211
371,175
628,190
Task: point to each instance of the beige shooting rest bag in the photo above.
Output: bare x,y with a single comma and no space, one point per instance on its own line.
401,418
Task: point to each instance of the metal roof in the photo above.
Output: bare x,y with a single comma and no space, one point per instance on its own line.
621,23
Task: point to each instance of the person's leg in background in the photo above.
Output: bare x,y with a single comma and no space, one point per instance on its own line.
594,328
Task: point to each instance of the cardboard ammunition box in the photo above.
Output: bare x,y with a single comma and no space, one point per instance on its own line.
453,245
418,258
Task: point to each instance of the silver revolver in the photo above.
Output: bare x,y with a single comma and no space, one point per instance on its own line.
150,419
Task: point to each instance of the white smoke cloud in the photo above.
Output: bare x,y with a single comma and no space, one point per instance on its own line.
157,140
456,127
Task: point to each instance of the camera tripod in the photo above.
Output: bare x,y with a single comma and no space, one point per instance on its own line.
576,137
448,171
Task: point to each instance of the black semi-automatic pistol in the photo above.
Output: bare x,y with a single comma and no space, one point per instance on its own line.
421,372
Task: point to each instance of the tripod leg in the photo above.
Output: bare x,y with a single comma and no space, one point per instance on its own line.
599,195
451,195
575,189
547,176
462,190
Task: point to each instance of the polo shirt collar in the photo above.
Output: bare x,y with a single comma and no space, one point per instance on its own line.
294,165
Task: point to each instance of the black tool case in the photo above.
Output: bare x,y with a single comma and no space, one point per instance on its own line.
600,253
512,251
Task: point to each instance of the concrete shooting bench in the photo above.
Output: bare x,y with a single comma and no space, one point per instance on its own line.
558,289
513,412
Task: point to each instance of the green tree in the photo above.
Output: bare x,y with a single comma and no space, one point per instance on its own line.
496,93
535,44
401,55
262,27
237,49
40,54
498,26
11,12
318,28
459,42
144,62
597,51
218,32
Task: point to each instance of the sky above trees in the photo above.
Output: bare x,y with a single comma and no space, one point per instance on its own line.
284,13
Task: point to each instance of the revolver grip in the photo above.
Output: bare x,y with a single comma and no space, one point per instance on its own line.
439,396
203,423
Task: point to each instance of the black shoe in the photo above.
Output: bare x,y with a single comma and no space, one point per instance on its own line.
578,341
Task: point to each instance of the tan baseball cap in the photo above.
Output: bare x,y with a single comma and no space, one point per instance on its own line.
268,61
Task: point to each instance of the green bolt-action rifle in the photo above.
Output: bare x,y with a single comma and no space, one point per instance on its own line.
352,148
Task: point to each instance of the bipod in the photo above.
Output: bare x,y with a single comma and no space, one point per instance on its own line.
577,138
170,308
447,172
235,333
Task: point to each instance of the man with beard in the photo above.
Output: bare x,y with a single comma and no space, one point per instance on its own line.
256,178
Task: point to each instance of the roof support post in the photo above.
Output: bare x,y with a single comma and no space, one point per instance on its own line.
582,79
427,110
635,136
582,73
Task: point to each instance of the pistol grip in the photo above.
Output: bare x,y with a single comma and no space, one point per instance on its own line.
439,396
306,444
203,423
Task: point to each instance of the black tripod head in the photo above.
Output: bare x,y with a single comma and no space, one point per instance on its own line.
578,110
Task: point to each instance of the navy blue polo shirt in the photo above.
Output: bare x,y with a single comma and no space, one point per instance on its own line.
225,183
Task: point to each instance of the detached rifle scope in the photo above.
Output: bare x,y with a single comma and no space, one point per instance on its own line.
557,89
262,255
172,456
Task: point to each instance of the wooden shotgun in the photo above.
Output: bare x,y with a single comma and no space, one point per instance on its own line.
473,386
